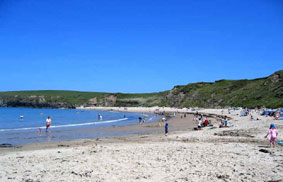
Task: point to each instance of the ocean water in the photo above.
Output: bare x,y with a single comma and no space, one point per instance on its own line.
67,124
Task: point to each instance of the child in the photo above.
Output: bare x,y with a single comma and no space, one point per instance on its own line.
166,129
273,134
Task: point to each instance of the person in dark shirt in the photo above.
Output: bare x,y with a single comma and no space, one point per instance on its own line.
166,129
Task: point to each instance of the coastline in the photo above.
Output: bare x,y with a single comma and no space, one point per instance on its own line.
176,125
220,154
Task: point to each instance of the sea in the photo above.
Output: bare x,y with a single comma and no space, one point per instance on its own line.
20,126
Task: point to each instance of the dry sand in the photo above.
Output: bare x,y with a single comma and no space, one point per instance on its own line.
221,154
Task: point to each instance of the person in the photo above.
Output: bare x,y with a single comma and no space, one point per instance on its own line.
273,134
140,119
199,123
205,123
48,122
222,123
226,121
166,129
99,116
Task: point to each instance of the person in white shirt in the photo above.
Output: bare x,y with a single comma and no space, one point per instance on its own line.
48,122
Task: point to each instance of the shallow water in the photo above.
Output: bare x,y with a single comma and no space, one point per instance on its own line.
67,124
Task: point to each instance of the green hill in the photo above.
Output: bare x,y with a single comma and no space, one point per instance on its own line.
262,92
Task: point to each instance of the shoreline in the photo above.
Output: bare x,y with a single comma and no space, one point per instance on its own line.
175,124
238,153
156,128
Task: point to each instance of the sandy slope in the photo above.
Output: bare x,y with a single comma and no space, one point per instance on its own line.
181,156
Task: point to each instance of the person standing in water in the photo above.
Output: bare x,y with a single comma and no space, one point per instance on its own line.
140,120
99,116
48,122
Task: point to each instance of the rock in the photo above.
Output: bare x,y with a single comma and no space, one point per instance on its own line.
264,150
222,176
61,145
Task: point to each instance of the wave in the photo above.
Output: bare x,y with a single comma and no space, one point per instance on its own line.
67,125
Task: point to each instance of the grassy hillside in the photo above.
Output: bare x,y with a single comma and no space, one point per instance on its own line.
262,92
70,97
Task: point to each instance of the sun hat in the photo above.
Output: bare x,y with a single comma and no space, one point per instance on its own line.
272,126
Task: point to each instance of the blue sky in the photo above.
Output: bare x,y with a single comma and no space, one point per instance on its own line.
136,46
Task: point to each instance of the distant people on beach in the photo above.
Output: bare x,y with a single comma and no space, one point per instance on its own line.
48,122
273,132
166,129
201,122
224,122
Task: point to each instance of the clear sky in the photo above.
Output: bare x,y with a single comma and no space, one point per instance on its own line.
136,45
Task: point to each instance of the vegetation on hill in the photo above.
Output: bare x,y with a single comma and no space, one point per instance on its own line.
262,92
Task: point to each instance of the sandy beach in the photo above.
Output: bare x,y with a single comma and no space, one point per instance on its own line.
237,153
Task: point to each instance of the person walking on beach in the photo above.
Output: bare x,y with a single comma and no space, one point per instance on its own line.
166,129
48,122
273,135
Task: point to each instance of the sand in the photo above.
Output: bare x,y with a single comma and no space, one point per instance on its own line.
220,154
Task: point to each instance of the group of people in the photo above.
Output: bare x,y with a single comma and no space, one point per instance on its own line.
201,121
224,122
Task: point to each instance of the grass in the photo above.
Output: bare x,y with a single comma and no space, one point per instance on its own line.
261,92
